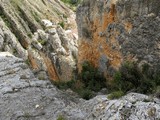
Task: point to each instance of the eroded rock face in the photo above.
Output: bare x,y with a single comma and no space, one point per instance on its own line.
30,30
23,96
55,52
114,31
8,42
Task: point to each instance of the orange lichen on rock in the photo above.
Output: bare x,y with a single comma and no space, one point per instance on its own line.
32,61
50,68
88,51
128,26
91,50
25,43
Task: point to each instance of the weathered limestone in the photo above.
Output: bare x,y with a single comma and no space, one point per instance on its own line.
130,107
8,39
22,96
61,51
30,30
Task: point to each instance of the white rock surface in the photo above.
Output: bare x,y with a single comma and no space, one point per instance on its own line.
47,23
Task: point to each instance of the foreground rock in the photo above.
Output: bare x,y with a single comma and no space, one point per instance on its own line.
130,107
23,97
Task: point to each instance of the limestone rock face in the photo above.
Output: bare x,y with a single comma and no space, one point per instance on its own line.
8,42
61,50
114,31
31,30
23,96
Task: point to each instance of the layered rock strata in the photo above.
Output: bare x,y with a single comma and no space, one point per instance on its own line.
31,30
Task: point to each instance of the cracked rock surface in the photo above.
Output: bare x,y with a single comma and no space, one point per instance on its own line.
24,97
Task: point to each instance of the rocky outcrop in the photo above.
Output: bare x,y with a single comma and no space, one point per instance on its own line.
114,31
31,30
55,52
23,97
8,42
130,107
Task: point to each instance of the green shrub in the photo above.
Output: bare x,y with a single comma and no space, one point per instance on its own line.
130,77
85,93
90,81
65,85
27,62
62,24
91,77
5,19
60,117
86,33
157,79
157,91
36,16
72,2
115,95
29,35
42,42
77,86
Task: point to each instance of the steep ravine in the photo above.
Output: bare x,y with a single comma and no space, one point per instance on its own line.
39,44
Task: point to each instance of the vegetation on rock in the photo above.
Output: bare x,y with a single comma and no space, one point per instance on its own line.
60,117
131,78
115,95
91,81
72,2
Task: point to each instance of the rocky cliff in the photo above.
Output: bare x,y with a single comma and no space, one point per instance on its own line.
38,42
114,31
33,31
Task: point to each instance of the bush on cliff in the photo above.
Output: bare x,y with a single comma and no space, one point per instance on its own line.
91,77
72,2
131,78
91,81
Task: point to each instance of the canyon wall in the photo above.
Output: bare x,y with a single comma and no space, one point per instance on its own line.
38,42
114,31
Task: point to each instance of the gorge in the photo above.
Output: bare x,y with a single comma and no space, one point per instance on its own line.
43,43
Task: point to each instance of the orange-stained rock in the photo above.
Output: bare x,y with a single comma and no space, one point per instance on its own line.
92,49
128,26
32,61
50,68
114,31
